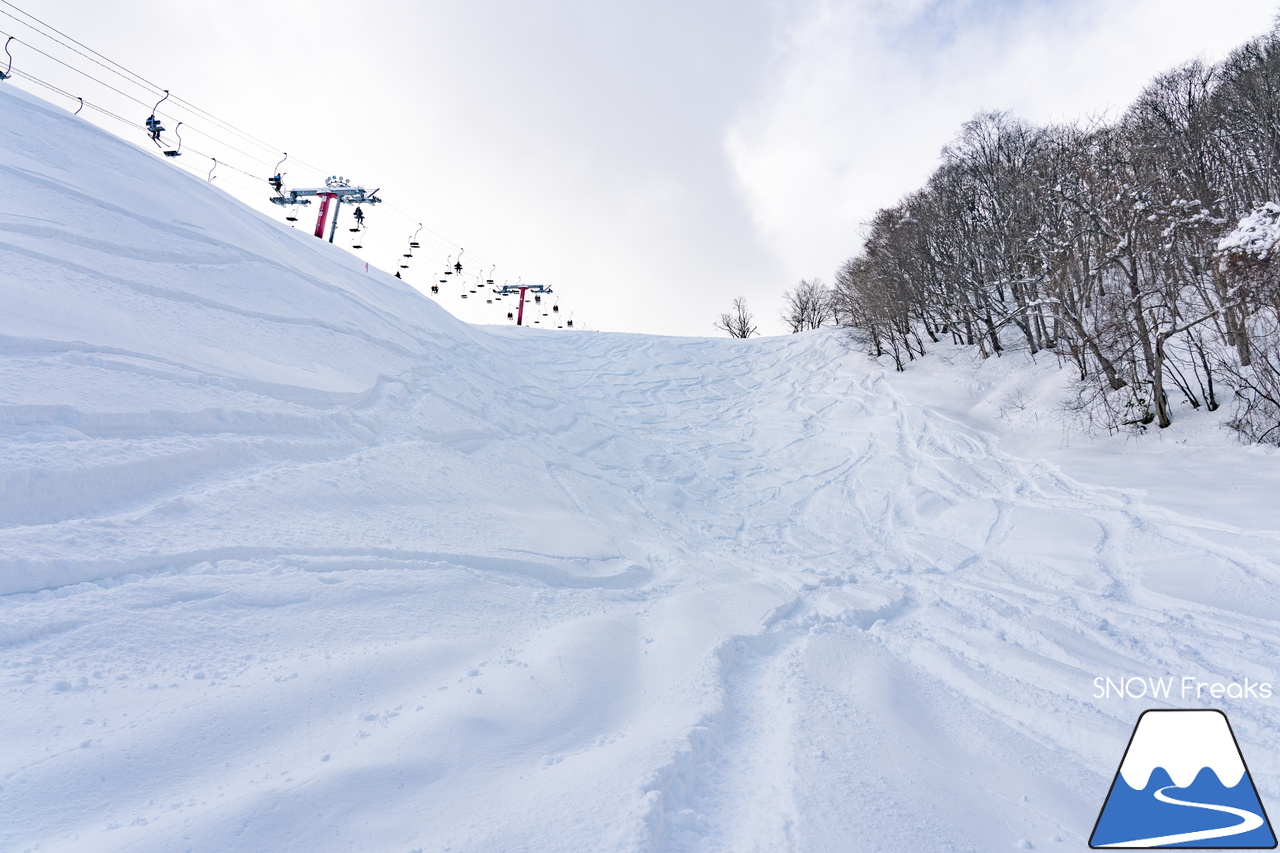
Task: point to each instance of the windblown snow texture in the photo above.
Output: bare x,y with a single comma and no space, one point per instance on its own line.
292,560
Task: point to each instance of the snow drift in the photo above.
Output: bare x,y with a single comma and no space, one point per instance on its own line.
293,560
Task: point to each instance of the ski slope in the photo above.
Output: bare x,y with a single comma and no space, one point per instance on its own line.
292,560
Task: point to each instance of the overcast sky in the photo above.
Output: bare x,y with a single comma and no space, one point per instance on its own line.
651,160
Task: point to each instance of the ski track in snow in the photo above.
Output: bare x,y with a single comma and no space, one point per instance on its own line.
292,560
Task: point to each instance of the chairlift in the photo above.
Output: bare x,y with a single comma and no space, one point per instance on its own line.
8,72
569,323
291,216
154,127
464,296
447,271
556,308
511,315
176,152
359,217
488,301
457,267
413,241
277,180
537,297
435,288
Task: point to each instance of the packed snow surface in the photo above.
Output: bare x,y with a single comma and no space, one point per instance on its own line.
292,560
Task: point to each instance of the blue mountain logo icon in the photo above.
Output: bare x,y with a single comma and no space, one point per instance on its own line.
1183,783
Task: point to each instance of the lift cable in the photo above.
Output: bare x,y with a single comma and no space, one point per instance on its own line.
131,77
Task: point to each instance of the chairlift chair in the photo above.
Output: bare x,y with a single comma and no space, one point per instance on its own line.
154,127
277,180
8,72
175,152
413,241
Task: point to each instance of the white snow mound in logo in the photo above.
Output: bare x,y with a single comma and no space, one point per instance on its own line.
1183,744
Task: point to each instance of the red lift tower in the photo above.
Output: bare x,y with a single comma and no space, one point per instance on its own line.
508,289
335,191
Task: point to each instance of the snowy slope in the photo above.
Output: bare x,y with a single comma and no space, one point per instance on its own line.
293,560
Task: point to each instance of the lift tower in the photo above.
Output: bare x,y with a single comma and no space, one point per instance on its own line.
508,289
335,191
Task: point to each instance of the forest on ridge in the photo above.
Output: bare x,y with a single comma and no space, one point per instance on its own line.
1140,251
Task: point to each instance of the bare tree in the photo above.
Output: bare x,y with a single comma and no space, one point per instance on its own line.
809,306
737,324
